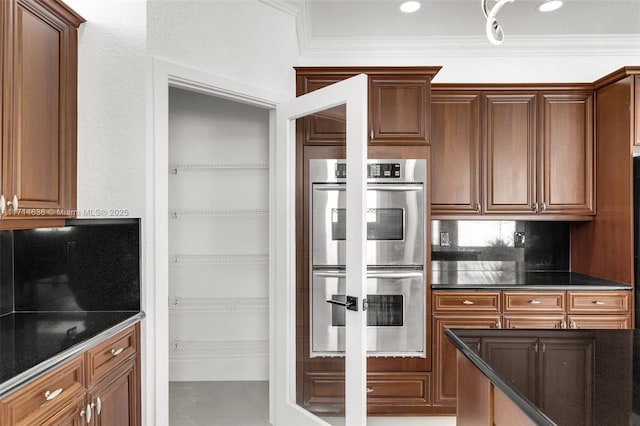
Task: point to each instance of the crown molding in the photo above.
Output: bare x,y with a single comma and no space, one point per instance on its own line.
465,46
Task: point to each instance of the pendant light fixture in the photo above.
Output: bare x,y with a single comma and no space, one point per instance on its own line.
494,30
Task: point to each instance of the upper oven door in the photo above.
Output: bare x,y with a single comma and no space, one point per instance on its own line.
395,224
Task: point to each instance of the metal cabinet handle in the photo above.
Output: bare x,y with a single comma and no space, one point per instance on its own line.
534,302
98,405
573,324
478,208
116,352
598,302
499,324
535,208
543,207
371,133
564,324
13,203
3,205
369,390
48,395
86,413
467,302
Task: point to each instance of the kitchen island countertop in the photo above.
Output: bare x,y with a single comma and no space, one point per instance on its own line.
560,377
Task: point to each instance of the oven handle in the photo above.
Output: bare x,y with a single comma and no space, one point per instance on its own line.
373,274
370,187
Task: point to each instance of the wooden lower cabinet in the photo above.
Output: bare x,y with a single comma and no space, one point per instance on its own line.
614,322
66,396
445,373
534,321
115,397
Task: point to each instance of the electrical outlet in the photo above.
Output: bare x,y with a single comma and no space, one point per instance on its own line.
444,239
518,239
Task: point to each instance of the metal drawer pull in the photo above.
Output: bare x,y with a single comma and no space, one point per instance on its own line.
98,405
86,413
598,302
499,324
48,395
467,302
573,324
534,302
369,390
116,352
564,324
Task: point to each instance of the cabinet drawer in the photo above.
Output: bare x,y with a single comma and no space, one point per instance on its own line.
381,388
111,353
599,301
46,396
480,301
613,322
538,301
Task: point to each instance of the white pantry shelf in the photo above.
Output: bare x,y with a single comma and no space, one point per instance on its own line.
177,214
218,305
188,350
175,168
219,259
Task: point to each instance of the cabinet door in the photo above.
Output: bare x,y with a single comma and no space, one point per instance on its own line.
566,380
455,153
636,140
445,378
515,358
613,322
509,153
567,146
72,415
399,109
41,160
116,398
534,321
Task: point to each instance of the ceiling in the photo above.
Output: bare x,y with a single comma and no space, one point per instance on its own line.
364,18
456,27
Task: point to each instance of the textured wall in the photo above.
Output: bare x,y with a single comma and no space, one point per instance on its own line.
246,41
111,106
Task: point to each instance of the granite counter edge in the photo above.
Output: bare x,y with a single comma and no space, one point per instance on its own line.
39,370
514,396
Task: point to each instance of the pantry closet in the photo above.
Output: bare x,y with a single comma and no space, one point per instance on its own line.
218,245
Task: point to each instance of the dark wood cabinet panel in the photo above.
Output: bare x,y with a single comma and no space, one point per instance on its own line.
516,359
455,150
567,154
567,363
39,110
445,374
399,109
510,153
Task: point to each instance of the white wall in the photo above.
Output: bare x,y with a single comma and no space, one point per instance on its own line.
111,105
242,40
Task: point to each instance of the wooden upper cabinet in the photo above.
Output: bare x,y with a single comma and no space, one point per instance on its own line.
39,89
510,153
399,105
636,116
399,109
567,154
455,153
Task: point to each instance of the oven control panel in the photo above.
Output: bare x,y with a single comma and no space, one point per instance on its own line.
377,170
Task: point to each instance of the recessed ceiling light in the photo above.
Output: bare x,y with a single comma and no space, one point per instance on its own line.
410,6
550,5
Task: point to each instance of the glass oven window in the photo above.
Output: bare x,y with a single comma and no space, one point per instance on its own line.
384,310
382,224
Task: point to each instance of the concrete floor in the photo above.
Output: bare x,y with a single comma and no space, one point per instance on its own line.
247,404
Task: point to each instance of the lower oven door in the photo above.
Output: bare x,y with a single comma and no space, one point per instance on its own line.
395,313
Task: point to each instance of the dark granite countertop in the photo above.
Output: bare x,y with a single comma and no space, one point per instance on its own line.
31,343
450,279
561,377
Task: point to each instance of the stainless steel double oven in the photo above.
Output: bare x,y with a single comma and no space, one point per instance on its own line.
396,252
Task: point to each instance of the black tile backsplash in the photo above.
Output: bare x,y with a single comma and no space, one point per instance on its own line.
501,245
88,265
